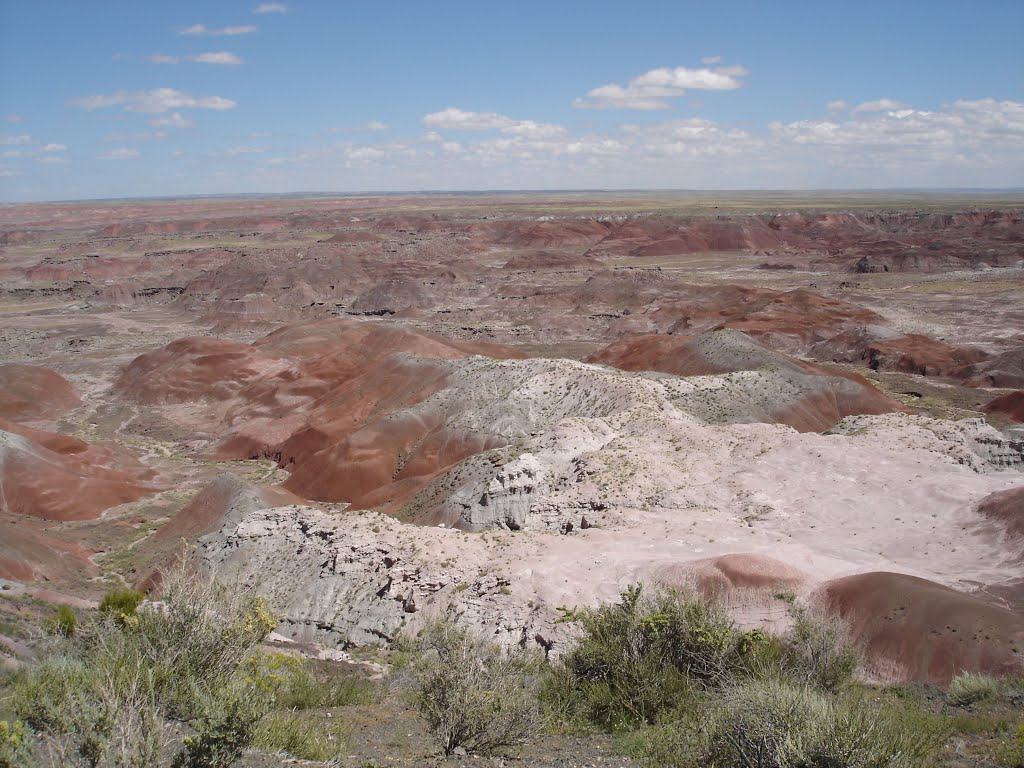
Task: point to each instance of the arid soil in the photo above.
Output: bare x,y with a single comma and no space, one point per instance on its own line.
379,408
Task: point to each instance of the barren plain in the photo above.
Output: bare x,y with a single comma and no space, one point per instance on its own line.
503,406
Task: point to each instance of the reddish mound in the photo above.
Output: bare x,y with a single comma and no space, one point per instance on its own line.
192,369
206,512
826,396
55,477
550,260
545,234
1010,405
1007,509
720,575
28,392
912,353
31,553
914,629
354,236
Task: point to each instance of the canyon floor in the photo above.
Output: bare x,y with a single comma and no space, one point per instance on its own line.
376,409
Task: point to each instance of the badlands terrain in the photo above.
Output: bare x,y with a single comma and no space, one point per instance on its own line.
377,409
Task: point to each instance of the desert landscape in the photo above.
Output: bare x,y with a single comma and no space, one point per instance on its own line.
375,410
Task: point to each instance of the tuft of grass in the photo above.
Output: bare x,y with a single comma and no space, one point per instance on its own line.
301,736
969,688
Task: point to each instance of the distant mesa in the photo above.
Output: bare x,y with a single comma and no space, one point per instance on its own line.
913,629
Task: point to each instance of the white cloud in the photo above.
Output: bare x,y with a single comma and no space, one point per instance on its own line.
202,30
14,119
139,136
153,102
7,154
366,153
8,172
711,60
373,126
453,119
837,106
52,159
245,150
124,153
19,140
220,57
882,105
652,89
53,148
270,8
173,120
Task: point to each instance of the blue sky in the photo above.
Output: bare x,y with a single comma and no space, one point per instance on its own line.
117,98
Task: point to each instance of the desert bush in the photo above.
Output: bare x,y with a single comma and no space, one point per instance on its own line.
969,688
295,684
62,623
116,691
646,655
301,736
226,722
779,724
472,693
1009,753
817,651
15,745
121,604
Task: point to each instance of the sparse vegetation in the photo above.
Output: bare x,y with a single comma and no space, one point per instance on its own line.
969,688
472,693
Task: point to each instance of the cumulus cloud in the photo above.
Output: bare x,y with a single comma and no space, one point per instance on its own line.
122,153
159,58
153,102
652,89
837,105
201,30
8,154
373,126
21,139
53,148
711,60
8,172
270,8
882,105
453,119
173,120
52,159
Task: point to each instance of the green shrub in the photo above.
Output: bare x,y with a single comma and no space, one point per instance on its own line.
15,745
115,692
295,684
1009,753
226,723
817,652
647,655
62,623
473,694
301,736
969,688
778,724
121,604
